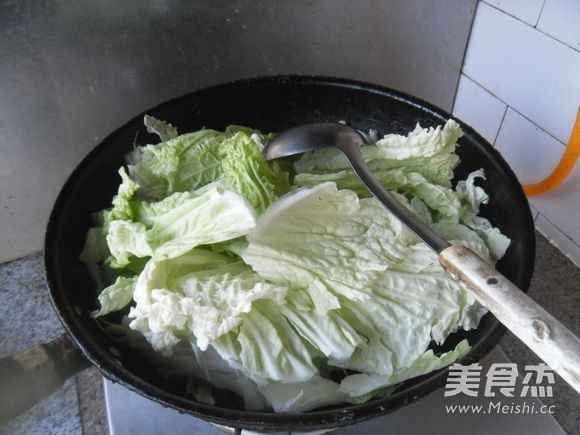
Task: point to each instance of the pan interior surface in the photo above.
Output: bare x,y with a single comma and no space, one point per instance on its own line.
269,104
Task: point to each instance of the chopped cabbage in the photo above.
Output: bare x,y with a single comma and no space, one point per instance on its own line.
287,284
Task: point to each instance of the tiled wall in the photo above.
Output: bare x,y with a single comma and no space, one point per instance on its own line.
520,88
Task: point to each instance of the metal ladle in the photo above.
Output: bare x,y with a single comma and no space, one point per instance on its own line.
533,325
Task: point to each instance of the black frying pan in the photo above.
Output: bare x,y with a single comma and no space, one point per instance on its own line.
269,104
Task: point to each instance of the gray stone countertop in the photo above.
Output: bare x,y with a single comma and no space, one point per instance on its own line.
27,319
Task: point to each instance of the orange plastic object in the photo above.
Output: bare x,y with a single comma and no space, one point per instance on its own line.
564,168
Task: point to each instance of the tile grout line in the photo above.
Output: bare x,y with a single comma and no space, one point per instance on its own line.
510,15
500,124
560,231
536,125
540,15
516,110
556,39
551,36
534,26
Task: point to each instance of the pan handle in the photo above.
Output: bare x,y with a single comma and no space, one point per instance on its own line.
36,373
528,321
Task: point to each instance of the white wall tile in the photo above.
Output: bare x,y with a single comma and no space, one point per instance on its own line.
526,69
552,233
525,10
561,19
561,206
478,108
531,152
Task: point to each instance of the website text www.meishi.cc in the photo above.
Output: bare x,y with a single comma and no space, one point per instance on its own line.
500,407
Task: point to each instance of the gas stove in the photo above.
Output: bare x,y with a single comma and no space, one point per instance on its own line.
130,413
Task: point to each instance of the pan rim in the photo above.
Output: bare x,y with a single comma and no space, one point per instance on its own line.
249,419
